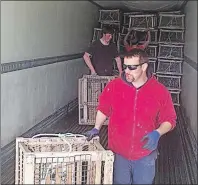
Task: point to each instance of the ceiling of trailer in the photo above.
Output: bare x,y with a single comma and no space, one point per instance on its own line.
143,5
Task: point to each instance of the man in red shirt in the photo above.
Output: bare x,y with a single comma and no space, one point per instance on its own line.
140,111
138,44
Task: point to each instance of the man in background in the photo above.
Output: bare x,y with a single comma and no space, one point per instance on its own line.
100,55
138,44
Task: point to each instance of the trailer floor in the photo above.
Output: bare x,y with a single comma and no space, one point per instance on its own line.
176,163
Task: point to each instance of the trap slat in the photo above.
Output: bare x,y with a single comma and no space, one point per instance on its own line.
171,67
152,66
42,164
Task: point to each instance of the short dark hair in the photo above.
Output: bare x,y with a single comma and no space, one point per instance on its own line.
107,29
136,52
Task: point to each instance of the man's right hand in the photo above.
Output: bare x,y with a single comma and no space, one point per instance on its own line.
91,134
93,73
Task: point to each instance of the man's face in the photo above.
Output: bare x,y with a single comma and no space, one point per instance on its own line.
107,37
133,69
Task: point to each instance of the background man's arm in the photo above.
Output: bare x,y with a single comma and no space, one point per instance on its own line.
87,60
119,64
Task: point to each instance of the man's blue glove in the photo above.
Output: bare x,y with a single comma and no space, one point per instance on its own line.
152,140
91,134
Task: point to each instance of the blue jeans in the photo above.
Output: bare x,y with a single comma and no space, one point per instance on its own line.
140,171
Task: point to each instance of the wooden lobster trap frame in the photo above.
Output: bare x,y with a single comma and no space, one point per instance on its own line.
171,21
126,18
170,67
62,160
90,88
171,51
171,36
143,21
173,83
106,16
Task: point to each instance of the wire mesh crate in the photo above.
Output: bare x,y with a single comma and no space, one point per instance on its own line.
172,67
66,159
126,18
175,97
90,88
171,21
152,66
171,51
152,51
171,36
143,21
170,81
109,16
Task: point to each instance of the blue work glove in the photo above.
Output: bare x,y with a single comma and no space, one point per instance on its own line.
91,134
152,140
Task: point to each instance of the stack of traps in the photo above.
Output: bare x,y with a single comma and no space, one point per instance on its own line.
67,160
90,88
171,52
111,18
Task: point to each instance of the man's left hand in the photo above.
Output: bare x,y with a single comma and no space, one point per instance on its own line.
152,140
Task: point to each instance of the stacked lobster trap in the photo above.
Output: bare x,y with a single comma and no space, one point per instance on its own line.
66,159
90,88
171,52
111,18
141,23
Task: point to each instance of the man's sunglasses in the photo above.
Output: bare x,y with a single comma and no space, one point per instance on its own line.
131,67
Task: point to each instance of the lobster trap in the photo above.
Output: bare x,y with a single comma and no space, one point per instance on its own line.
143,21
175,97
172,67
171,82
171,51
152,51
171,21
152,66
62,160
126,18
90,88
106,16
171,36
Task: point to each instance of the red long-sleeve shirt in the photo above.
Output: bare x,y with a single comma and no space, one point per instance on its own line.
133,113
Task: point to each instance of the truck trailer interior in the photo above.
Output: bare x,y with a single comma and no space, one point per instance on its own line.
42,47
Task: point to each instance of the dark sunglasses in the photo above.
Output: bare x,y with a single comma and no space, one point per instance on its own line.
132,67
